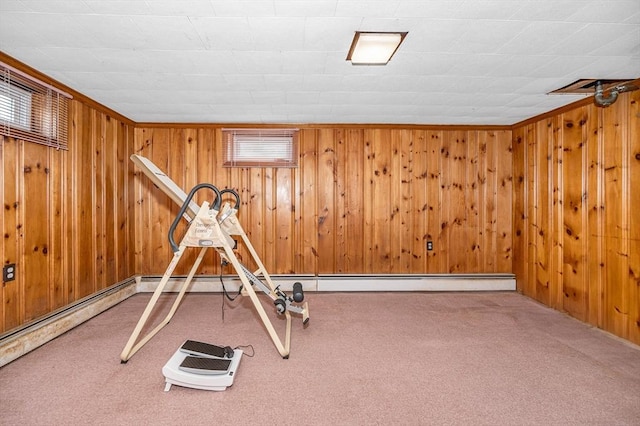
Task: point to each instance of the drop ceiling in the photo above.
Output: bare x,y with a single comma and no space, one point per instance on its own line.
476,62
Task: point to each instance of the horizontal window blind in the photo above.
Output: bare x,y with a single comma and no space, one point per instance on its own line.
260,147
31,110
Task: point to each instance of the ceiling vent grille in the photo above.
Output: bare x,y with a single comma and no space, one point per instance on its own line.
588,86
605,92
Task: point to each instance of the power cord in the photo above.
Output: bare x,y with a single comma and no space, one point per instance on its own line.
253,352
224,290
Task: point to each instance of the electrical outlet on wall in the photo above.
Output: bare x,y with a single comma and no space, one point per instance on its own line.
429,245
9,272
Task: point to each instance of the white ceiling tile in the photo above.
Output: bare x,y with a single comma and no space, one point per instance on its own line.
536,11
320,8
463,61
589,38
536,37
243,8
601,11
229,33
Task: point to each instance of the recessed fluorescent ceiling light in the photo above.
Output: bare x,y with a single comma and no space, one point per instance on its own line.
369,48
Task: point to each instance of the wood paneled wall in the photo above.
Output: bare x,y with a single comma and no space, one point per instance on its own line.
362,200
66,216
576,213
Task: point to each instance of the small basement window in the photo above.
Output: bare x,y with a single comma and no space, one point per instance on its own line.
32,110
260,147
15,105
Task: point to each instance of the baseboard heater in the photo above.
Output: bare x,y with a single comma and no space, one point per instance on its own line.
22,340
352,282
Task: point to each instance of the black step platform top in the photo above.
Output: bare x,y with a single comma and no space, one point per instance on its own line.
201,349
199,365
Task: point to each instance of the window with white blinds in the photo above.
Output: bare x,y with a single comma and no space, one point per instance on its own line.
31,110
260,147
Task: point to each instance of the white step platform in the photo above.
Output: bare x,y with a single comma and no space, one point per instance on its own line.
214,382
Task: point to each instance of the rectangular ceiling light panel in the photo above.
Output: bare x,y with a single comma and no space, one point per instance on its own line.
371,48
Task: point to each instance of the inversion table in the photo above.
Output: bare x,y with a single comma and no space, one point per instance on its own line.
213,227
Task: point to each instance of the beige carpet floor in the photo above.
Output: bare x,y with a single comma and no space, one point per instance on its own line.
364,359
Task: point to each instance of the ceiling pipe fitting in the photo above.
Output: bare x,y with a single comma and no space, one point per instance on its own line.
604,101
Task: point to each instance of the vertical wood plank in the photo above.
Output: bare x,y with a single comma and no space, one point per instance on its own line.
285,232
418,174
459,247
11,295
58,256
34,230
84,277
308,198
615,250
520,225
556,296
543,223
504,201
473,203
434,207
595,219
574,195
354,203
382,204
98,202
326,184
633,282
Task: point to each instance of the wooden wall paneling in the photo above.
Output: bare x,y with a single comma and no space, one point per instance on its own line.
111,200
354,183
59,255
472,229
574,213
308,254
270,192
163,215
83,122
403,156
520,199
177,150
284,226
11,302
340,246
205,157
364,200
504,197
399,236
558,230
34,230
459,247
382,203
326,183
144,203
418,212
99,198
532,206
5,234
369,191
595,219
615,247
434,207
633,283
126,205
485,181
543,226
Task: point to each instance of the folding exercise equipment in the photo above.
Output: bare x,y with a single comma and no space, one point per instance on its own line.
213,227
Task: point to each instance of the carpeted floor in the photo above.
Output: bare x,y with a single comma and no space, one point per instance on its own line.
365,358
